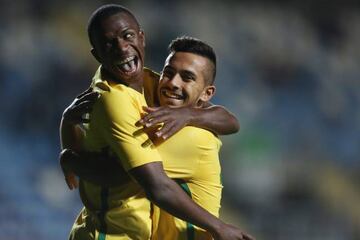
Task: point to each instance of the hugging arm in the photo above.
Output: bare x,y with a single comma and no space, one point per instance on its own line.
167,194
214,118
71,136
71,133
87,166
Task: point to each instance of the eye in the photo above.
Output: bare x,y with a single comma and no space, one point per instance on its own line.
167,73
129,35
188,77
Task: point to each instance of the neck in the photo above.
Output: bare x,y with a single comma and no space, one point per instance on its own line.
138,84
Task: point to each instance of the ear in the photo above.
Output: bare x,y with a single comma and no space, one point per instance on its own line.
95,54
142,36
208,93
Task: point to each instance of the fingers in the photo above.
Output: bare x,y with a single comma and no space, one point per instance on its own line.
149,118
153,114
169,129
85,120
64,155
150,109
83,107
149,122
91,96
85,92
75,113
71,181
65,158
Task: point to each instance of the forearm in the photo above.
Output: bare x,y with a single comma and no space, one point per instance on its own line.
87,166
168,195
108,174
214,118
94,167
174,200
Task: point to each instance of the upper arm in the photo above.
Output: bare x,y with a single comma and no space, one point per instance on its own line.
216,118
70,136
229,118
149,176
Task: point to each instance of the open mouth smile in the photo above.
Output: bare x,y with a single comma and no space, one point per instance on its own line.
170,94
127,65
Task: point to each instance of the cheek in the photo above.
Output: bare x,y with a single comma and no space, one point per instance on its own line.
195,91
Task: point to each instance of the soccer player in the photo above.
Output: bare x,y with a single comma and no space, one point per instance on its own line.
187,80
123,212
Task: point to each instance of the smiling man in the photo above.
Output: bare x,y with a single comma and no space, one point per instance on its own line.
123,212
187,80
187,77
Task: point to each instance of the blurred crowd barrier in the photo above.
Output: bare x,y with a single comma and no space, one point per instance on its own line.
289,70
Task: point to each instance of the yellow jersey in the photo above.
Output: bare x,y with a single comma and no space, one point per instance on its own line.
123,210
191,157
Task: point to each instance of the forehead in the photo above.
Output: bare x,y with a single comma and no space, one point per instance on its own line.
118,22
184,61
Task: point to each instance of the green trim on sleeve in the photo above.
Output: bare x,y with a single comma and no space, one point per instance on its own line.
102,236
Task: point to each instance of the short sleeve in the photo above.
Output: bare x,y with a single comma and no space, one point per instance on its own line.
115,115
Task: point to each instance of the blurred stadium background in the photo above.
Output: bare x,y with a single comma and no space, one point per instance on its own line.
290,71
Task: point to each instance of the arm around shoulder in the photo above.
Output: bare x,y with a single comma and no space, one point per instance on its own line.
165,193
215,118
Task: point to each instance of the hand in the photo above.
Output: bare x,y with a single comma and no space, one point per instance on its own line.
229,232
81,105
66,156
173,119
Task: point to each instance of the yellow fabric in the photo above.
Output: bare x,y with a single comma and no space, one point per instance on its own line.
122,211
84,229
191,155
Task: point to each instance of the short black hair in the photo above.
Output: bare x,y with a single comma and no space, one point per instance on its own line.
94,23
196,46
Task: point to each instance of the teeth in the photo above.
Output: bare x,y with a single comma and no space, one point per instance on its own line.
126,60
171,94
127,65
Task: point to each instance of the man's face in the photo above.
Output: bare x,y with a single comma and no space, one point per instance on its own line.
119,47
183,80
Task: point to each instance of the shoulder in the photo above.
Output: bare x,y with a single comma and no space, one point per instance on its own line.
151,80
199,137
116,94
117,102
151,75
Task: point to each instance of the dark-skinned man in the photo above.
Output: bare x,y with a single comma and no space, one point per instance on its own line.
124,212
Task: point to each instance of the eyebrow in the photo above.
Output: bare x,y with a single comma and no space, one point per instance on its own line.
127,29
189,73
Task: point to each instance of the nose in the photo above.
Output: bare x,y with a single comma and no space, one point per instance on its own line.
121,44
175,81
